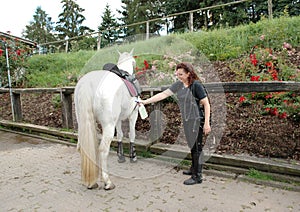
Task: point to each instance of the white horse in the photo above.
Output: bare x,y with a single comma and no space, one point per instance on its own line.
102,97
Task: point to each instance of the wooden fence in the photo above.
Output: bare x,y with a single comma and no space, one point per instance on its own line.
218,87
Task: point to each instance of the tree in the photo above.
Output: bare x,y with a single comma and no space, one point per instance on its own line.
181,22
281,7
70,20
259,8
230,15
108,28
40,30
136,11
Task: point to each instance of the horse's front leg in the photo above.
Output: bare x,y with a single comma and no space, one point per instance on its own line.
108,134
120,151
132,122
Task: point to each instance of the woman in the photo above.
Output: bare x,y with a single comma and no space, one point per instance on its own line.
192,99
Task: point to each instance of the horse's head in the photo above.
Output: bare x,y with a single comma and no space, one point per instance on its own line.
126,61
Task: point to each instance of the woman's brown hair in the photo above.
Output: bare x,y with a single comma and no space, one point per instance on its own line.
188,68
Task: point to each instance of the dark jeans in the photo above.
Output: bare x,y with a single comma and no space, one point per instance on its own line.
196,151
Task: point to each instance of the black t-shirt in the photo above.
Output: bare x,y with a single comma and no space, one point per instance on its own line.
189,103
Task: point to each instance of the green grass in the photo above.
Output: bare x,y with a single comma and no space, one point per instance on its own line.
64,69
54,70
253,173
228,43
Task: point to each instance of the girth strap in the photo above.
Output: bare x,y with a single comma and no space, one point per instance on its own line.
131,88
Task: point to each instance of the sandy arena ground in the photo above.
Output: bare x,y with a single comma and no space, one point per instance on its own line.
41,176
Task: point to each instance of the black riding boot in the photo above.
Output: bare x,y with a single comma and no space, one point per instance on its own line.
196,170
189,171
120,153
132,154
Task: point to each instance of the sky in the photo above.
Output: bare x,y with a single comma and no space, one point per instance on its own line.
16,14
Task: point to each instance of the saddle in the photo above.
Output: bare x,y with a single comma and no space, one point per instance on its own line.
130,81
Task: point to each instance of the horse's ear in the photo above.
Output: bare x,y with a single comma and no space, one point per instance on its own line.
131,52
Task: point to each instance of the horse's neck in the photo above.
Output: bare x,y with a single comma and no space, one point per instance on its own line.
126,67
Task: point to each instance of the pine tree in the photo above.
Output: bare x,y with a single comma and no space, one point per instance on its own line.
136,11
40,30
181,22
71,20
108,27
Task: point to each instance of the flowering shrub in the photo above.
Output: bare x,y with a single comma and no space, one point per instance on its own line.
17,55
265,65
153,70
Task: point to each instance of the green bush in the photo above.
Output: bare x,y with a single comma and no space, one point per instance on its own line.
228,43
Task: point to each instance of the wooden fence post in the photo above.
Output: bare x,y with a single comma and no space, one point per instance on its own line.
191,22
67,119
147,30
270,9
155,119
99,41
17,109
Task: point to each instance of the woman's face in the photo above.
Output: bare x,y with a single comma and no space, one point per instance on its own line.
182,75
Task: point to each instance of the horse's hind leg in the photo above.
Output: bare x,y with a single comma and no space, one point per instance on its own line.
132,152
120,151
108,133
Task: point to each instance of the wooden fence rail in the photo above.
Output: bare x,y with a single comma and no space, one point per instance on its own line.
217,87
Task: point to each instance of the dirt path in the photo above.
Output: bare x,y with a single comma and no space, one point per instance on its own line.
41,176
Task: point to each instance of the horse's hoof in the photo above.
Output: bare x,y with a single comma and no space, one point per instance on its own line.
93,186
110,186
121,159
133,160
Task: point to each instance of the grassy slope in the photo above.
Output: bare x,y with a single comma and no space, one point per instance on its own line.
62,69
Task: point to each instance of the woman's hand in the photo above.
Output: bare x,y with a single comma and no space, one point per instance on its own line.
142,102
206,128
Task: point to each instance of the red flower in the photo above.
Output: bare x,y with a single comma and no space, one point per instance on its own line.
268,109
1,52
242,99
275,75
274,111
146,64
269,64
253,59
18,52
283,115
269,96
255,78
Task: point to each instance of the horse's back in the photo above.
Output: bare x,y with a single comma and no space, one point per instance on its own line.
109,94
99,81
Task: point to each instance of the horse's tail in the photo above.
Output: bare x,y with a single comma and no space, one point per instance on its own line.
87,135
